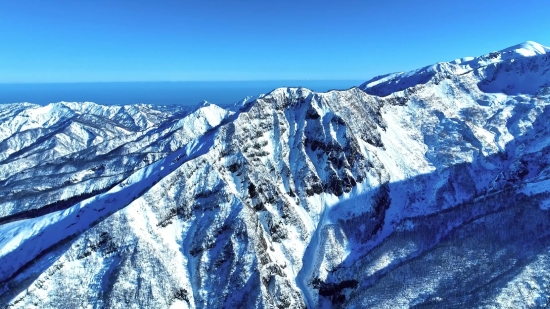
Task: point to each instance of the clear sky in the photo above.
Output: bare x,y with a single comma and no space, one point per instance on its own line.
168,40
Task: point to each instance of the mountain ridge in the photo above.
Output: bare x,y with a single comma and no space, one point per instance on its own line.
292,198
457,67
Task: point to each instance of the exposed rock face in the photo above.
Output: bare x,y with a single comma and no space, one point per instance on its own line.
428,188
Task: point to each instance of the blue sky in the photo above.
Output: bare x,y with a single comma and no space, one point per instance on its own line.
102,41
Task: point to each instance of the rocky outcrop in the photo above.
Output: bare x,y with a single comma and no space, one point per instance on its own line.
427,188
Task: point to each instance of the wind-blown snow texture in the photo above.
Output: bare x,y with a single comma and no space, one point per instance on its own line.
429,188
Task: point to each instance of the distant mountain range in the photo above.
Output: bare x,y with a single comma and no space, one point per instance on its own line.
426,189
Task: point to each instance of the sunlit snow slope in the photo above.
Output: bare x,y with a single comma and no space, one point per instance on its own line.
429,188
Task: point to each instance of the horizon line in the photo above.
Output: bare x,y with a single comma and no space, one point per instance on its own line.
180,81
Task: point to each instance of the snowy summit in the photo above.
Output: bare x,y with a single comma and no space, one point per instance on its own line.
425,188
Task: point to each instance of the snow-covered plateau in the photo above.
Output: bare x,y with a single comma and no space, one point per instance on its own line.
426,189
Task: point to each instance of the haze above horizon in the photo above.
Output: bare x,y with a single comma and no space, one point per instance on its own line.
123,41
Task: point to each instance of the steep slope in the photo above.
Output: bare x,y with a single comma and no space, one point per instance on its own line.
427,188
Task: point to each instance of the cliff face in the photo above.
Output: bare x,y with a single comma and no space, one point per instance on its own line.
427,188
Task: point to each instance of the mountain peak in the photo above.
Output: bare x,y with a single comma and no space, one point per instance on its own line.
297,199
527,49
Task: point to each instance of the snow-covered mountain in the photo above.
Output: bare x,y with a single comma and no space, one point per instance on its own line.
429,188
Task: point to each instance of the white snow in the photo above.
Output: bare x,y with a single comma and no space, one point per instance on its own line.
451,132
